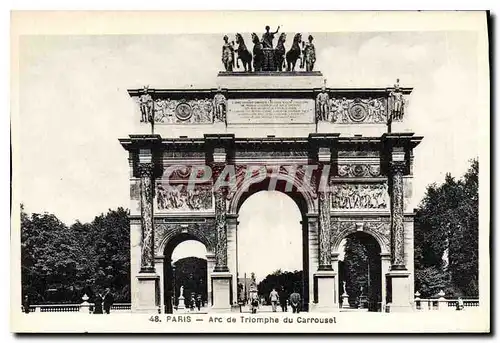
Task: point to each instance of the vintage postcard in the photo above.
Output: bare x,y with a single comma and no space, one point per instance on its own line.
320,172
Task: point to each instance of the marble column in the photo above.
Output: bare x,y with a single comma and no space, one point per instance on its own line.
325,255
325,276
398,274
397,216
221,278
147,246
221,230
148,286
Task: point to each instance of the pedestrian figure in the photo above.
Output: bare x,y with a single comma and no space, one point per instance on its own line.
283,300
255,303
274,297
108,300
192,303
26,304
295,301
198,302
98,304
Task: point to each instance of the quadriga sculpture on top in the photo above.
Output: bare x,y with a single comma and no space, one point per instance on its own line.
264,57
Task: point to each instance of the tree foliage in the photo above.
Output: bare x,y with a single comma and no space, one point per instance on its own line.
446,237
61,263
191,273
361,268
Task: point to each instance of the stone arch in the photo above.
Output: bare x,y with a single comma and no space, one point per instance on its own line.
307,193
380,231
167,233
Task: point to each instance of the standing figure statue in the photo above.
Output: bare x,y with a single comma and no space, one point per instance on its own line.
258,54
220,105
294,53
243,54
228,54
322,105
146,105
267,38
396,109
279,53
309,55
343,287
181,292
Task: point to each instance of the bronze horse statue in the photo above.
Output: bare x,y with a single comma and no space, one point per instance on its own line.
258,54
295,53
279,52
243,54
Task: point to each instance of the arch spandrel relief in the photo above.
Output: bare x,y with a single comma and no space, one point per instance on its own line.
165,232
379,228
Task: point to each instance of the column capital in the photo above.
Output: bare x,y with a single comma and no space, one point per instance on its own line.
397,167
145,169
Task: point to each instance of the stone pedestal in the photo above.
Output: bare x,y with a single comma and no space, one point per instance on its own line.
148,293
326,291
181,307
221,291
345,301
400,291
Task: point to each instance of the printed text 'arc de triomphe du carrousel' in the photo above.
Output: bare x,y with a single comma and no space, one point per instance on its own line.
270,122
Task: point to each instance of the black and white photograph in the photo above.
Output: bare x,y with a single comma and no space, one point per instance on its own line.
270,172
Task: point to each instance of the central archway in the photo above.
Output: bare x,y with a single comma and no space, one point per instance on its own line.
292,204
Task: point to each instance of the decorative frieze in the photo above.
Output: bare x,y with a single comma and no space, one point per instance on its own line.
358,170
349,196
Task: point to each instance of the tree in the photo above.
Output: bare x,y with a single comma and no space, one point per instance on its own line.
60,263
446,237
191,272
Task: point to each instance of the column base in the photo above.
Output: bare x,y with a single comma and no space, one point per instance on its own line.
400,297
221,291
148,293
325,280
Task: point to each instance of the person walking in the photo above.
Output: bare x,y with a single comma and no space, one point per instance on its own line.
255,303
274,297
283,300
295,301
198,302
108,300
98,304
26,304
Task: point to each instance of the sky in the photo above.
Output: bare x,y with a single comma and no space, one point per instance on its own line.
73,107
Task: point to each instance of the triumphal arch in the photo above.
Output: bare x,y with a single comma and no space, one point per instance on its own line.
343,155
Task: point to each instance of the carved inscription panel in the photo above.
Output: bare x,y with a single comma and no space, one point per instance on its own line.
270,111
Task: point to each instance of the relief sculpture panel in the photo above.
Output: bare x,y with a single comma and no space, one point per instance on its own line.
180,198
349,111
167,111
348,196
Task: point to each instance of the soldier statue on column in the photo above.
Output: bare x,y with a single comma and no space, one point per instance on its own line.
322,105
220,105
146,105
397,101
